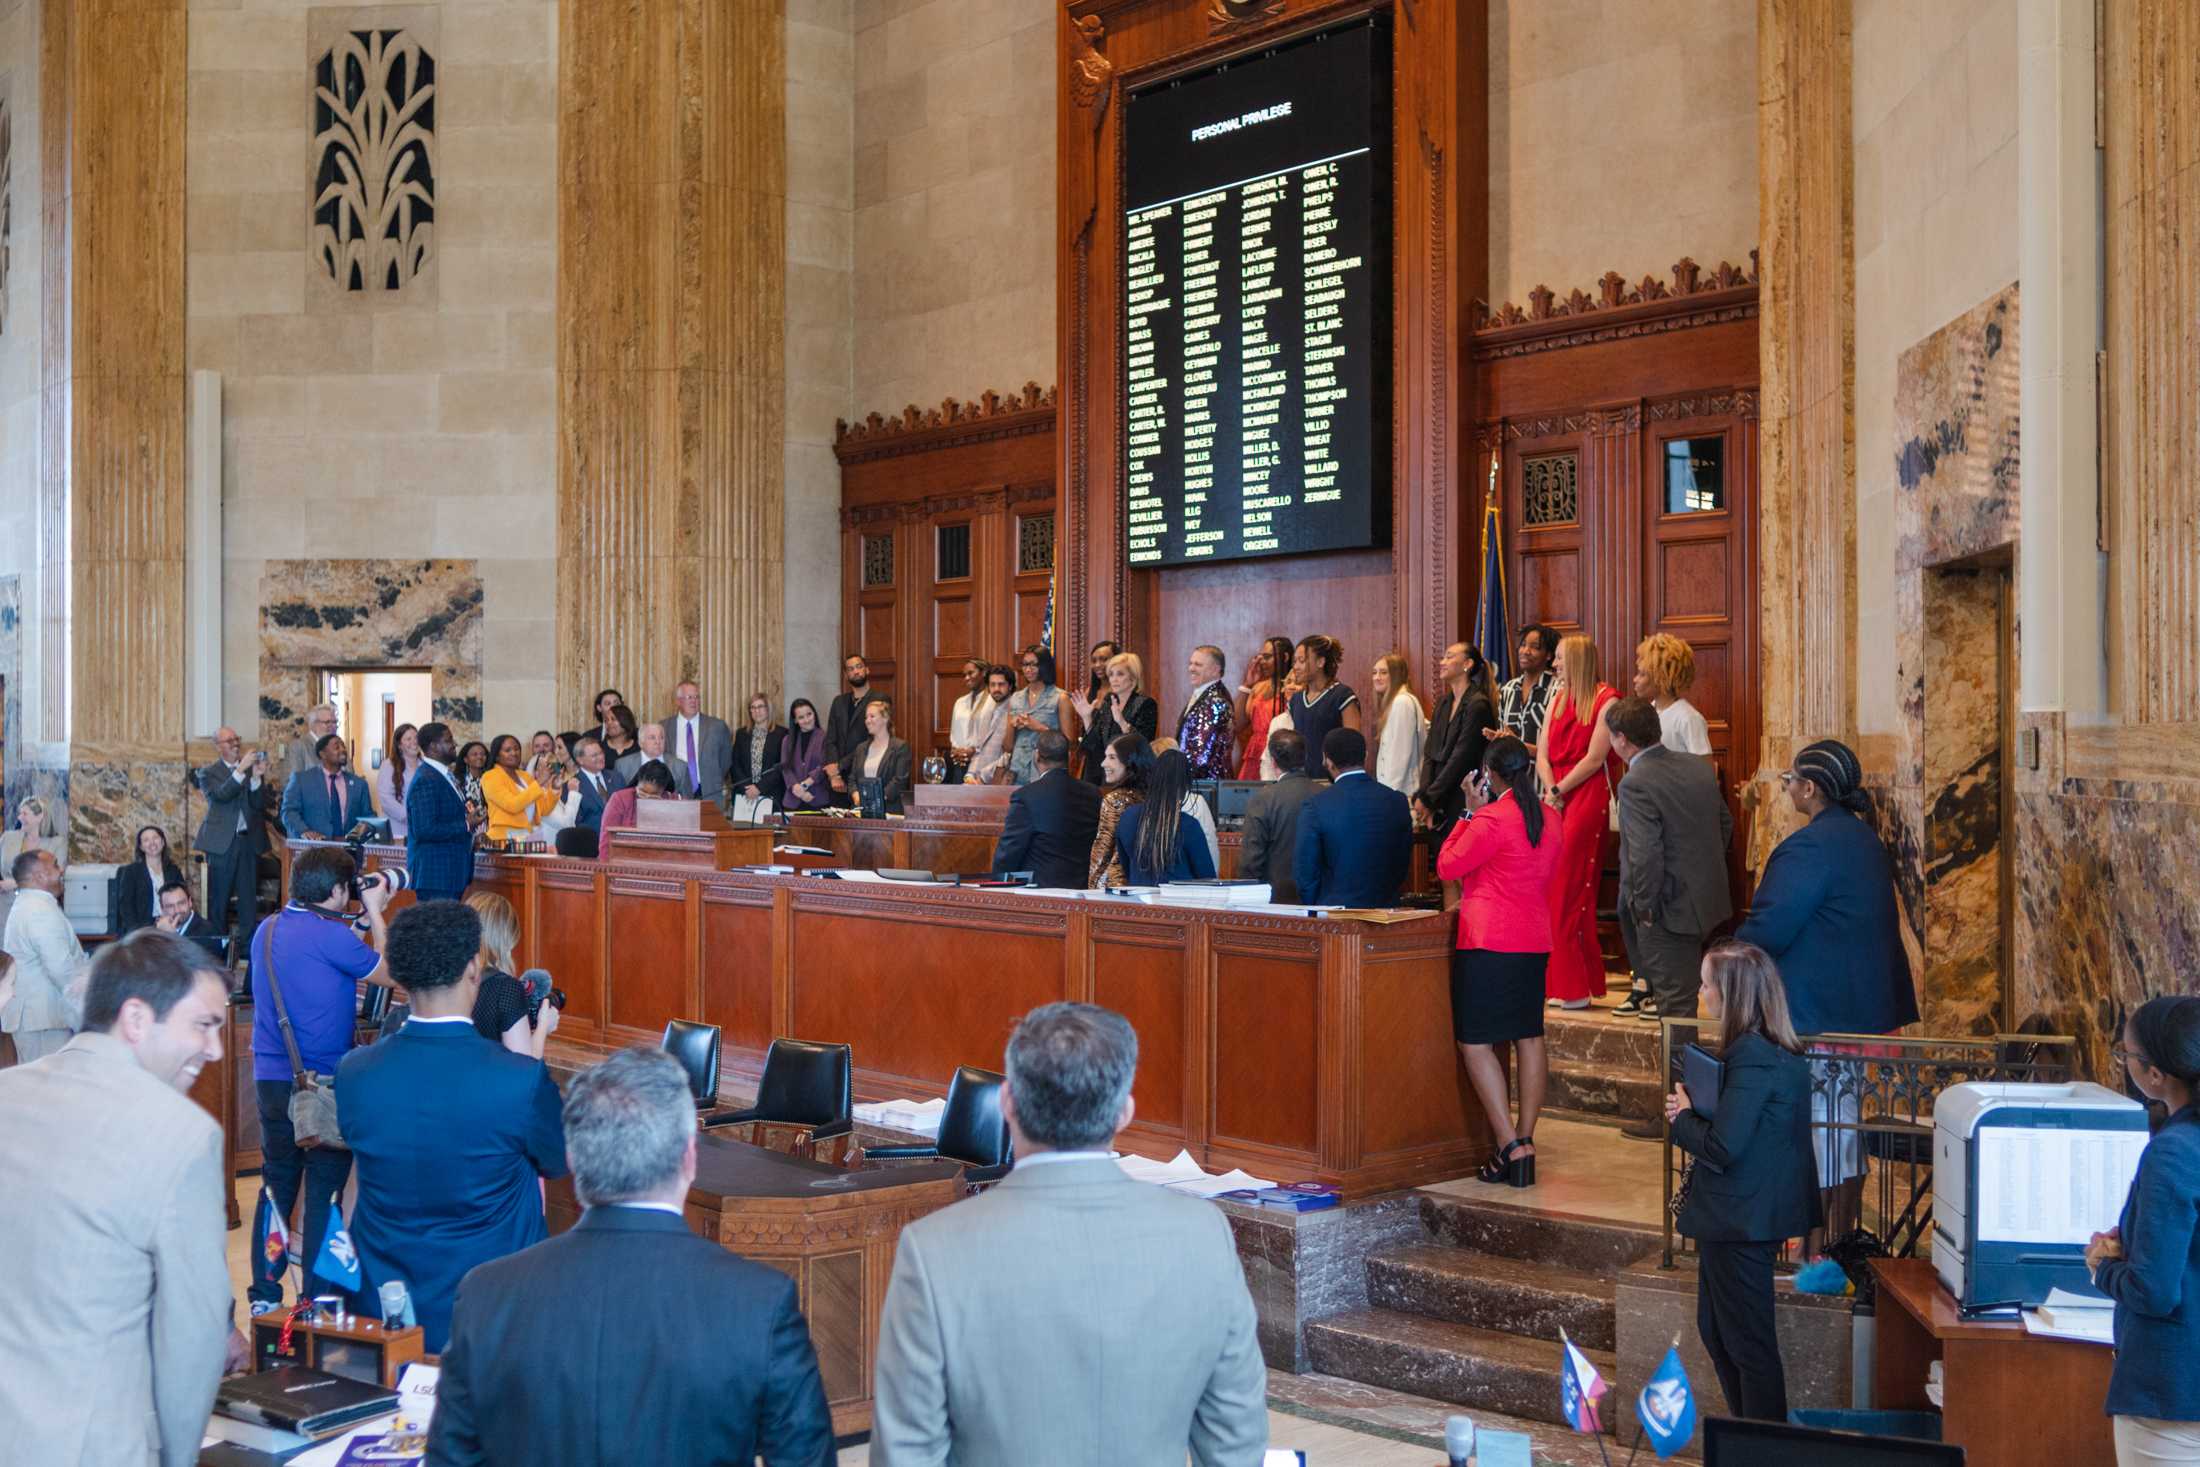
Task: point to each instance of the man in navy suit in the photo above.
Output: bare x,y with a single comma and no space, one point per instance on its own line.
323,801
558,1353
451,1132
595,785
1356,837
1051,821
439,836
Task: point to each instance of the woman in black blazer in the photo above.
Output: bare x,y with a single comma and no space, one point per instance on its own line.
1754,1185
139,903
759,778
1122,709
881,758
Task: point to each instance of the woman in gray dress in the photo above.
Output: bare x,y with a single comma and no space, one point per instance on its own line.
1033,709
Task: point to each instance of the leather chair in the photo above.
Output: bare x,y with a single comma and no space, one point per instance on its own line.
805,1103
972,1130
577,841
695,1046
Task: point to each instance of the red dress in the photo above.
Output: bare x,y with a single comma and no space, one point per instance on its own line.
1577,963
1260,711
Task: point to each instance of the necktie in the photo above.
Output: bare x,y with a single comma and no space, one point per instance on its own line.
336,801
695,773
595,782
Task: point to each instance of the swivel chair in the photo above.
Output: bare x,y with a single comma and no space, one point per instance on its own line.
577,842
805,1103
972,1131
695,1046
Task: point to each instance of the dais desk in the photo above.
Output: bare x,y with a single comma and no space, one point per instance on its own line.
1295,1047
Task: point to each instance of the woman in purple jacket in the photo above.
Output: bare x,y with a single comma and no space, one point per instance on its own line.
803,763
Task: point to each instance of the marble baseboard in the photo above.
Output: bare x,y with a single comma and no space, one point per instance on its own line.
1302,1267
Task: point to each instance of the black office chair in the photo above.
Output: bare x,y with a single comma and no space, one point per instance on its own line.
577,841
695,1046
972,1130
805,1103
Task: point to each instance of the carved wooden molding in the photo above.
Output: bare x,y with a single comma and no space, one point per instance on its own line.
1225,15
951,424
1618,309
915,511
1091,74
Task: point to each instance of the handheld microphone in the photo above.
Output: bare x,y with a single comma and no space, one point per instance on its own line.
540,990
1458,1439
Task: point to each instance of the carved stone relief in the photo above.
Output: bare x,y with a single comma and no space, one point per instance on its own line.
374,156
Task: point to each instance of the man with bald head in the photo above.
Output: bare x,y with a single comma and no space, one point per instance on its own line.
650,746
233,835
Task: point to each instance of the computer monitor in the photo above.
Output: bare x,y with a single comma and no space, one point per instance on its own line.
1728,1442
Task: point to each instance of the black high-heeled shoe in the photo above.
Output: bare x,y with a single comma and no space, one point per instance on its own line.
1506,1169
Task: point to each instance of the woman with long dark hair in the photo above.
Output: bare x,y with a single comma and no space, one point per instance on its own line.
802,759
1155,840
154,867
606,700
1502,854
1754,1189
391,781
621,733
2149,1263
1260,700
1125,766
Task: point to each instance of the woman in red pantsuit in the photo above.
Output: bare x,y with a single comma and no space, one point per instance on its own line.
1576,763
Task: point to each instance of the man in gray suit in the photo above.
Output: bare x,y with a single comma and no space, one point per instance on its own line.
1673,832
114,1294
1271,836
650,744
701,745
1070,1315
233,835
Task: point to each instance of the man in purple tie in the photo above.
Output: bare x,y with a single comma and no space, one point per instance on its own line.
701,745
324,800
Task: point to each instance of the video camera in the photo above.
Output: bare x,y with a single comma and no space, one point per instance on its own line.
540,990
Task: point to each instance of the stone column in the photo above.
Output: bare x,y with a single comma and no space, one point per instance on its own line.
671,385
1807,365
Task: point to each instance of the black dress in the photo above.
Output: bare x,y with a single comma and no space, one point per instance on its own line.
501,1003
1144,719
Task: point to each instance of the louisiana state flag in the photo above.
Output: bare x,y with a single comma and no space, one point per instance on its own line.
1580,1388
339,1260
1490,632
270,1241
1666,1407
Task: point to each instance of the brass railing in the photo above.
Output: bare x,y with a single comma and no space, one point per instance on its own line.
1872,1098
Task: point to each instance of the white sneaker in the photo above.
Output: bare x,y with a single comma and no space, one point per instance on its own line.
1569,1003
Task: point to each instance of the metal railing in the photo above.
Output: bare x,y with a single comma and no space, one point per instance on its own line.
1872,1098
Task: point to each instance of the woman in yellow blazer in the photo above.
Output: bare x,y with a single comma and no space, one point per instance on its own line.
516,800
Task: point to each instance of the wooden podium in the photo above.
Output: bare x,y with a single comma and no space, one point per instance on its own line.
690,833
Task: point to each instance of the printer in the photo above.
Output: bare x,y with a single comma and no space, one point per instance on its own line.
2023,1176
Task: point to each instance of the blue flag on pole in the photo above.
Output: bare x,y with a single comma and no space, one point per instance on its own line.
1666,1407
1490,632
1580,1387
339,1260
270,1242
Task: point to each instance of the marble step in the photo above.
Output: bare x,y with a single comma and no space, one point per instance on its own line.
1481,1369
1586,1088
1532,1299
1588,1244
1599,1039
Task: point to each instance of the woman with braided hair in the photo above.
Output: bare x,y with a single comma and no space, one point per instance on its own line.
1826,912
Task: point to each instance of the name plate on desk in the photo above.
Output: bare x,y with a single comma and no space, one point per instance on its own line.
689,833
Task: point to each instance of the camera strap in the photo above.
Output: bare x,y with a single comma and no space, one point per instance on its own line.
282,1011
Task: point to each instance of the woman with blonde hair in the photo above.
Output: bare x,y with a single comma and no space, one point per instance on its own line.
1576,764
1124,707
1665,669
1401,724
500,1008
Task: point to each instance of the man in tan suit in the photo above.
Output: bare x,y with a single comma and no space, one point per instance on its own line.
1069,1316
114,1294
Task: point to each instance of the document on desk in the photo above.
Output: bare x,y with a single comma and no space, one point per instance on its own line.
2091,1326
2050,1186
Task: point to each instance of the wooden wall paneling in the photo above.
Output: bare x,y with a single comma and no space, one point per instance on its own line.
569,940
671,298
1551,573
646,916
1266,1089
1148,972
737,970
1405,1053
1412,595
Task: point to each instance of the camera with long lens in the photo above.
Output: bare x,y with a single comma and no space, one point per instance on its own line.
392,879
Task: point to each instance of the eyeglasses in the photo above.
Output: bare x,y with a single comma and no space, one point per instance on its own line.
1788,777
2124,1056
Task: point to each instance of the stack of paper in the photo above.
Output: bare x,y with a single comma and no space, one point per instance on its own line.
1182,1174
2068,1316
1216,893
919,1116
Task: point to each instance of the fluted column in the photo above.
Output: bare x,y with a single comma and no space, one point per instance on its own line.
671,288
112,154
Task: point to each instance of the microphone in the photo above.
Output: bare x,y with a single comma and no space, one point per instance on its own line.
1458,1439
397,1309
540,990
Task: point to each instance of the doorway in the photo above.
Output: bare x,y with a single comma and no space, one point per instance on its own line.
372,703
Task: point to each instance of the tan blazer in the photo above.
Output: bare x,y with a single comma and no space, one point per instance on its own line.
1074,1317
114,1291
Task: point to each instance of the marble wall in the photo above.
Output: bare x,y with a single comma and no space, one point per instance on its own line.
1622,136
21,322
390,613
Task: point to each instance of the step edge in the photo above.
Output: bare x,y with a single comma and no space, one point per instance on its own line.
1346,1322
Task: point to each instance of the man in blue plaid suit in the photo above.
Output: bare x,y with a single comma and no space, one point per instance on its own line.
439,841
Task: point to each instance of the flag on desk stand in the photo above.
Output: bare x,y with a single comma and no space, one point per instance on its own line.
1490,633
270,1242
1580,1388
1666,1407
339,1260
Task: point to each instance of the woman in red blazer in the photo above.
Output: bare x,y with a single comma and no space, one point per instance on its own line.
1502,855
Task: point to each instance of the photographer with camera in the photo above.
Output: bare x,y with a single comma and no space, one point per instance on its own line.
306,966
511,1011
